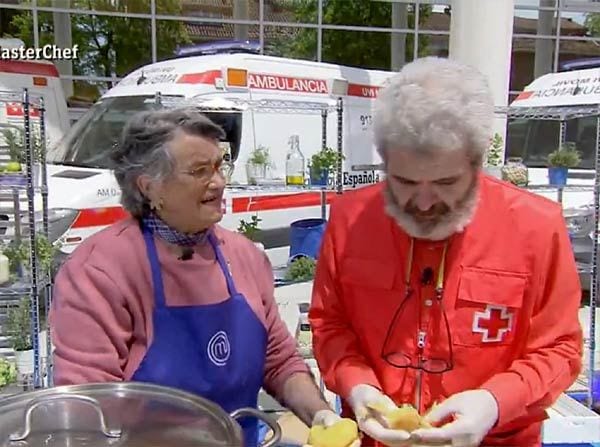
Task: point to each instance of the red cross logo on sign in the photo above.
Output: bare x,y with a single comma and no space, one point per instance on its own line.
493,323
14,109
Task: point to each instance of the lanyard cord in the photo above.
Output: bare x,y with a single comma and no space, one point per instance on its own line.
440,277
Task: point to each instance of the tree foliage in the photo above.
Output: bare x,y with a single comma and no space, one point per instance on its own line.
355,48
592,23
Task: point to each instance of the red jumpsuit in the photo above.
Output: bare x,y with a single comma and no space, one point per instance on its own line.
510,299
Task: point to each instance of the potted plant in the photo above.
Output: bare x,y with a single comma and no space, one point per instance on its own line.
257,164
18,252
302,268
321,164
18,329
8,372
251,230
15,142
560,161
493,157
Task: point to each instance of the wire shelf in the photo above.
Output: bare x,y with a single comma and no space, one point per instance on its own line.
29,289
549,113
22,286
7,96
566,188
16,181
238,104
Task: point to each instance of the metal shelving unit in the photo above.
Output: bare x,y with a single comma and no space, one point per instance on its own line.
20,209
562,115
324,108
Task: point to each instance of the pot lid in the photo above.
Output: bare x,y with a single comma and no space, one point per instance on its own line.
114,414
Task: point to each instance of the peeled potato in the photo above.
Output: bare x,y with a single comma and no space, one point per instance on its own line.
340,434
405,418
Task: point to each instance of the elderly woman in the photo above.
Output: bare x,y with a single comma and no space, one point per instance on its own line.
170,297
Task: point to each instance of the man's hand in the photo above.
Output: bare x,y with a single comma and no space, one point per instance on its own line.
362,398
475,412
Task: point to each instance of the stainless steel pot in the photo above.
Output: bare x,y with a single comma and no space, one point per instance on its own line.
121,415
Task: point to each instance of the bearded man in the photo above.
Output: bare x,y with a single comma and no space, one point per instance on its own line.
442,287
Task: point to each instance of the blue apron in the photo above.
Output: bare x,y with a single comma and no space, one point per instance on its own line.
216,351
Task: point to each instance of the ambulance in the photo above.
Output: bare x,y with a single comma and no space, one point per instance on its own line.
533,140
41,78
84,196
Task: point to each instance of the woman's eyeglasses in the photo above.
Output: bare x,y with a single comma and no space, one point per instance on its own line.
206,172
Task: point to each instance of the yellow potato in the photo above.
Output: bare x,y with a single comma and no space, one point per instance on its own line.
340,434
405,418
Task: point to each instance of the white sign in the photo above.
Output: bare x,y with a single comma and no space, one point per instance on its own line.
581,87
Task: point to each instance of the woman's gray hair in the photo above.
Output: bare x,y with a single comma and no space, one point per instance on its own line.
144,149
435,104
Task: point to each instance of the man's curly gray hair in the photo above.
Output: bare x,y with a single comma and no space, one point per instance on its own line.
144,149
435,104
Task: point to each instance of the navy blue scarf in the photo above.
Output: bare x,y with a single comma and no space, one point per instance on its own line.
159,228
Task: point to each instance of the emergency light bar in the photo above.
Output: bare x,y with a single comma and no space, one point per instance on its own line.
580,64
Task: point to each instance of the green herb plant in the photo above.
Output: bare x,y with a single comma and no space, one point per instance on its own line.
494,152
566,156
8,372
260,156
250,229
15,141
18,326
301,269
18,254
326,159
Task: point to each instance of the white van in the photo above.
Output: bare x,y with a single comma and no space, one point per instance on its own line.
41,78
533,140
84,195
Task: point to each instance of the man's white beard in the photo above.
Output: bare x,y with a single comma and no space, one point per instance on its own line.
454,222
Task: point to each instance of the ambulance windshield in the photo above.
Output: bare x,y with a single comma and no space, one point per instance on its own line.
89,142
534,140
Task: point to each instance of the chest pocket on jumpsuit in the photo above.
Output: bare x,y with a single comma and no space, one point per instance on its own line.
369,297
484,321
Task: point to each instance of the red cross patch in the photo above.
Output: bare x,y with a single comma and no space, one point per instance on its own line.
493,323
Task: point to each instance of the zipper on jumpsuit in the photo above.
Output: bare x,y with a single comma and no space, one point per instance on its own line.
419,380
424,320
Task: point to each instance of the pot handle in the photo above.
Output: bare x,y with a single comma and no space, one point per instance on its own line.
36,403
273,425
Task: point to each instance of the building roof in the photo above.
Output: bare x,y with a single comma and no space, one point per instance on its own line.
579,48
277,12
436,22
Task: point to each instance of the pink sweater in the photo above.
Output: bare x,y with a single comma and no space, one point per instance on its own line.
103,300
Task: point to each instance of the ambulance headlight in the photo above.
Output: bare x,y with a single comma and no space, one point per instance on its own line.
59,221
580,221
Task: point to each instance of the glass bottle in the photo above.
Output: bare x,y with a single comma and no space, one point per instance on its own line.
294,163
